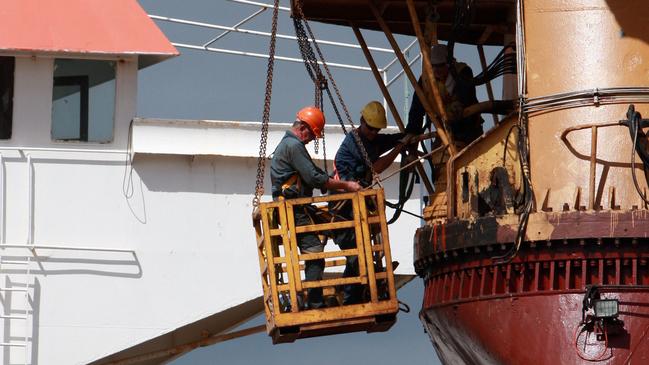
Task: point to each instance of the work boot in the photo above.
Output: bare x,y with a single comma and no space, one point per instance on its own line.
331,301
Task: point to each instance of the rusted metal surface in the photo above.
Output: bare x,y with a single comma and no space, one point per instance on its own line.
543,269
464,235
535,329
477,312
494,15
496,148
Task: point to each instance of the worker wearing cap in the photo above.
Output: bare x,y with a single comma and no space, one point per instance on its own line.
351,166
294,175
457,91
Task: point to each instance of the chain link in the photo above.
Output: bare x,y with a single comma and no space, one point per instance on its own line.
261,161
324,152
299,19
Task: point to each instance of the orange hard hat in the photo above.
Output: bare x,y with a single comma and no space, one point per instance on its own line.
314,118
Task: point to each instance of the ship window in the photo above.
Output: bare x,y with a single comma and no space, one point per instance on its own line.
7,67
83,100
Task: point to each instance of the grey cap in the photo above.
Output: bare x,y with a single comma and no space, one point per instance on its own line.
438,54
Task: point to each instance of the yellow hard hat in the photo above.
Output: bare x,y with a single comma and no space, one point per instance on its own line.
374,115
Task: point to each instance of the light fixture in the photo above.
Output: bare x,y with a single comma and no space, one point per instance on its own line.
606,308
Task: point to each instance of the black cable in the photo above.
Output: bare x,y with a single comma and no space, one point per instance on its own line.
504,63
404,307
523,151
406,187
634,121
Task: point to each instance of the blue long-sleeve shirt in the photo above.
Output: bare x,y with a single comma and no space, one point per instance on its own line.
350,164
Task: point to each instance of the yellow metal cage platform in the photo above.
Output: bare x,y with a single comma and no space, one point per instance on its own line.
282,266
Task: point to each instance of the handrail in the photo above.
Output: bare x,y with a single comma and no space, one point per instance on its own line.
56,149
72,248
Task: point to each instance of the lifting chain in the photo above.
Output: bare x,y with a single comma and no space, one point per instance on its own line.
310,60
261,161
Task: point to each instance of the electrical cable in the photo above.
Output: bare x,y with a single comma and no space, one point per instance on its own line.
634,121
522,143
406,187
404,307
583,327
504,63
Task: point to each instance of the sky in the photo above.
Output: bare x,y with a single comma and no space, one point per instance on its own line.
208,85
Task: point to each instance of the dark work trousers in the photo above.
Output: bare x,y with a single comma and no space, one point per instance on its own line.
313,269
346,239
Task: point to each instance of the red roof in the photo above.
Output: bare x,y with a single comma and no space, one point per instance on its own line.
114,27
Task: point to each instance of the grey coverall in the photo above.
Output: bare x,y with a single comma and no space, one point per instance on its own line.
290,158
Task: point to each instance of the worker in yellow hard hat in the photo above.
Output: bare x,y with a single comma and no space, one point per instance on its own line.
294,175
350,165
454,80
349,162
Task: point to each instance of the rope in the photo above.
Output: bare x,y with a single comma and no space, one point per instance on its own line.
261,161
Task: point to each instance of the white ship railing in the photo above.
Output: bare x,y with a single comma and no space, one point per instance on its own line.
384,71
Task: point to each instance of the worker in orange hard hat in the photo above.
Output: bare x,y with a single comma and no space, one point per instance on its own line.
350,165
294,175
454,80
314,118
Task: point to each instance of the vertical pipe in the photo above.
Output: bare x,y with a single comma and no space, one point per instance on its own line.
30,238
30,241
593,168
27,284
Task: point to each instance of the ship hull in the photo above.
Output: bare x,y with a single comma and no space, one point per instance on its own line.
535,329
479,309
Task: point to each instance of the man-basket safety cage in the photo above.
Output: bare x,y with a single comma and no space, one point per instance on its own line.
282,266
